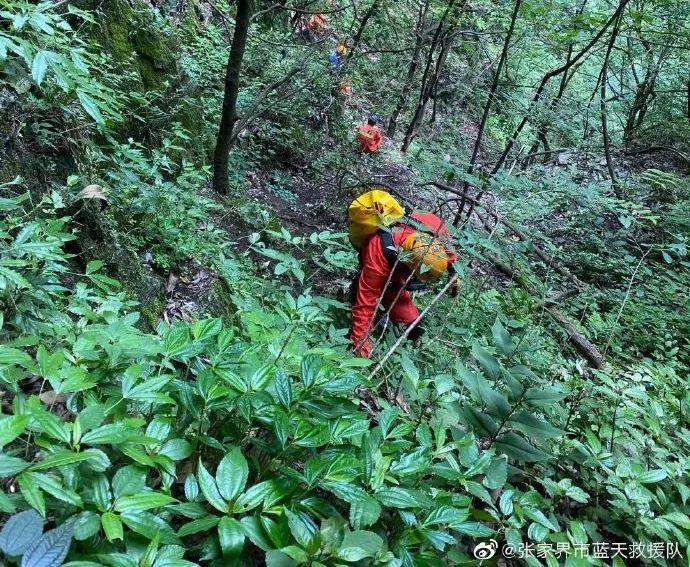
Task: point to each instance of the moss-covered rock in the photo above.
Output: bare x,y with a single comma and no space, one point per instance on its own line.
216,302
98,239
138,35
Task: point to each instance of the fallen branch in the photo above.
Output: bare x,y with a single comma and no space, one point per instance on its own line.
544,153
586,348
558,298
654,149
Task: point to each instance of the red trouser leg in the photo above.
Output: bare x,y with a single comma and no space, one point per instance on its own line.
403,311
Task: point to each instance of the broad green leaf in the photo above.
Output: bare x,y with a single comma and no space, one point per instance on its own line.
143,501
302,527
254,496
411,463
400,498
652,476
31,493
90,107
496,474
112,526
283,388
20,532
537,531
176,449
310,368
364,513
12,427
54,488
11,466
505,502
543,396
46,422
533,426
129,480
488,362
60,459
578,534
102,495
517,448
275,558
191,488
51,548
149,526
539,517
111,434
473,529
86,525
10,355
210,490
502,338
40,66
197,526
232,473
446,515
256,533
231,536
206,329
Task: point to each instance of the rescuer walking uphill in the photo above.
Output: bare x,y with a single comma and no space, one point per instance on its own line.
397,253
369,136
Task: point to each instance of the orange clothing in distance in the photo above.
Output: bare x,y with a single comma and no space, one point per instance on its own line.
317,23
369,138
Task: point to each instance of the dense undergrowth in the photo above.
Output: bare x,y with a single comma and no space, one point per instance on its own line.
253,436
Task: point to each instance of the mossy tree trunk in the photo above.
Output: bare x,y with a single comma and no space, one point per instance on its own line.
232,87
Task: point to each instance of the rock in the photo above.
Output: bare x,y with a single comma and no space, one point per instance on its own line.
98,239
51,397
563,158
93,192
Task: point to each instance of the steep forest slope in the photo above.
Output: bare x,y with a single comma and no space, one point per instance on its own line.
177,386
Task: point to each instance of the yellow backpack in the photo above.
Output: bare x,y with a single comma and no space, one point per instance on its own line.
371,211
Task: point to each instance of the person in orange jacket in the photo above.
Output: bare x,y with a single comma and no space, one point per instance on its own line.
317,24
369,135
402,250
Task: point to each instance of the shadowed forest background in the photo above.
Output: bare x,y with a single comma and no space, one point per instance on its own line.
177,386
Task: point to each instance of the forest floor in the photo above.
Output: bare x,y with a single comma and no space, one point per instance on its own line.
303,207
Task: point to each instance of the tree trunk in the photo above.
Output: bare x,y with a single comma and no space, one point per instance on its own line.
358,36
565,79
488,104
602,107
643,93
536,97
411,71
232,87
428,81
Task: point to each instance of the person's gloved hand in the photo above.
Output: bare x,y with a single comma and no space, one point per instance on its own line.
364,349
416,335
454,289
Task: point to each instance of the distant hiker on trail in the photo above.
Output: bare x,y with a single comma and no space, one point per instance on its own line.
369,135
344,88
316,26
415,248
338,56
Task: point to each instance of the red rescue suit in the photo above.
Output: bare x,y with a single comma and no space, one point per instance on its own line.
373,275
369,138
